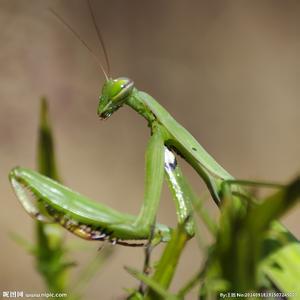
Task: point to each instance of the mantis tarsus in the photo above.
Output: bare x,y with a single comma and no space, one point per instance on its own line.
94,221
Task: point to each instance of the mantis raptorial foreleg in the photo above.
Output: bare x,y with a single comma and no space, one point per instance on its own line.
94,221
91,220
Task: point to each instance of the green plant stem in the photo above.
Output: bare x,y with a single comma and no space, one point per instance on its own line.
49,249
166,267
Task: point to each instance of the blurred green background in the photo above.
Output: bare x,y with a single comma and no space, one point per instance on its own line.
229,71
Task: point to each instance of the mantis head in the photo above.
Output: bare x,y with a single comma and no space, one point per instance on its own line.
114,94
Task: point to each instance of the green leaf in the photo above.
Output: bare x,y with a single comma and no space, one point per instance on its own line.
251,244
90,270
29,247
281,252
274,207
159,290
46,152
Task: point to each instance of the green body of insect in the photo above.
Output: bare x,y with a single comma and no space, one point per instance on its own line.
94,221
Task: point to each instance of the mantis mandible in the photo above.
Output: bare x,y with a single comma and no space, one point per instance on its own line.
94,221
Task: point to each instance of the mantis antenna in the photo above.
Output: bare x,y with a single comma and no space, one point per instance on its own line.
100,37
83,42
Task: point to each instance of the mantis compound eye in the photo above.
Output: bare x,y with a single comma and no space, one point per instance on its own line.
114,94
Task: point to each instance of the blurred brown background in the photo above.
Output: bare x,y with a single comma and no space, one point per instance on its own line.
229,71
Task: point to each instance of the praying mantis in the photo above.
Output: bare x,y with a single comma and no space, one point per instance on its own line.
94,221
49,201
